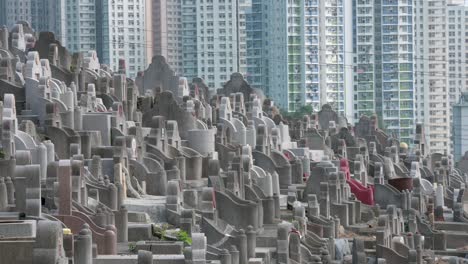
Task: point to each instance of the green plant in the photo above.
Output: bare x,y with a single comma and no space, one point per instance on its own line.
2,154
183,236
132,247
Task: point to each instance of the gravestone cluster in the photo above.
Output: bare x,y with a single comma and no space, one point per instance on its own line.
99,168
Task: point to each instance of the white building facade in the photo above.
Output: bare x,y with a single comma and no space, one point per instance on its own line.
167,32
211,40
457,54
114,28
440,67
384,64
301,53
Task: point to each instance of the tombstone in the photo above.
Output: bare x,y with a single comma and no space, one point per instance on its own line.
159,75
326,115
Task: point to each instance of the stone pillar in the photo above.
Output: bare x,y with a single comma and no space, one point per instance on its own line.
440,241
404,201
313,207
65,188
268,210
120,194
68,241
121,224
50,151
337,224
110,241
78,118
145,257
419,246
439,201
188,256
198,249
418,241
84,246
225,257
234,255
243,247
113,197
251,241
276,198
3,195
41,159
173,196
100,218
181,167
359,255
96,166
295,247
324,200
282,247
300,216
20,193
410,240
190,198
439,214
187,220
454,260
10,190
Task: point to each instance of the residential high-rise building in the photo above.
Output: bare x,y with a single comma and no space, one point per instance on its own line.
245,8
42,15
124,34
114,28
210,37
457,30
18,10
149,30
3,13
278,45
459,127
81,25
435,68
457,53
256,73
368,86
190,39
57,20
167,32
384,64
301,52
